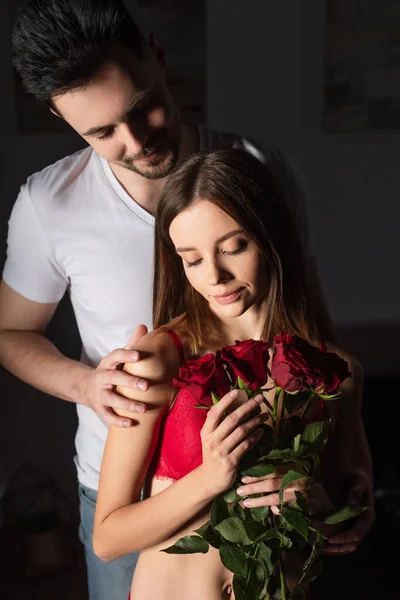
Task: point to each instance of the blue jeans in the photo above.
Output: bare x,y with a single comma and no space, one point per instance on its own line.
106,581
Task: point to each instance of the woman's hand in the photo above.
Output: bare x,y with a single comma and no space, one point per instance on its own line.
225,440
270,486
317,498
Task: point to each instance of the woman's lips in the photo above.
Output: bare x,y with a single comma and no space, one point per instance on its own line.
228,297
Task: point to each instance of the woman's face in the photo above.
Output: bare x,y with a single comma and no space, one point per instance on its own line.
221,261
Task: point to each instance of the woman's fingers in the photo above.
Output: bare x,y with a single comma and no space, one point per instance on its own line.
217,413
241,432
245,445
270,499
270,485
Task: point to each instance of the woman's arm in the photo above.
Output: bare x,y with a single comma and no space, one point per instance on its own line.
122,523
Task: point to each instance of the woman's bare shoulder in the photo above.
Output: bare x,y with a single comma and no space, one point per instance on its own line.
159,357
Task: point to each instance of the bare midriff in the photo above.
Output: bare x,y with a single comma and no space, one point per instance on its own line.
161,576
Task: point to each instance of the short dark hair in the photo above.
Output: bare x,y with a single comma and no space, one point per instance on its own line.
58,45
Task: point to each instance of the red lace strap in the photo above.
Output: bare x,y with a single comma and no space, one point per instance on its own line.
177,342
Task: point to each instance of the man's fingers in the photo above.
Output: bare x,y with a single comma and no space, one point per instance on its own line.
139,332
118,357
122,379
129,406
339,549
357,533
110,418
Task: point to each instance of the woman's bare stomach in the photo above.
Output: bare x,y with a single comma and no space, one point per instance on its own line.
180,576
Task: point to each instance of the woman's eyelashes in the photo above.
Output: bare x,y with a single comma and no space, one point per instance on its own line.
239,250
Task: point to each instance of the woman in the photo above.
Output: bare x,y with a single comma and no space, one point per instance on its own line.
228,266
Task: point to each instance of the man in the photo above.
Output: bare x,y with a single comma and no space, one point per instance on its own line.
85,224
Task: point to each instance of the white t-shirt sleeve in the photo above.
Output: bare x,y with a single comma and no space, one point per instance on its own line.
30,268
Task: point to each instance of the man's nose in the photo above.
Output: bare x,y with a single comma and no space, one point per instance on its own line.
135,137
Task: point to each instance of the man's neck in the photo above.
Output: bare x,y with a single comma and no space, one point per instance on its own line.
146,192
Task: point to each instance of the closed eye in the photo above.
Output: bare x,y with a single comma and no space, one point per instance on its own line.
107,134
241,249
194,263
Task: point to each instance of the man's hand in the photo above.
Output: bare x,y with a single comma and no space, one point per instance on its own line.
98,389
361,492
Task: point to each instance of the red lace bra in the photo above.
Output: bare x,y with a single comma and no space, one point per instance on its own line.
179,449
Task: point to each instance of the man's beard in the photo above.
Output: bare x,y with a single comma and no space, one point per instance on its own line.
161,166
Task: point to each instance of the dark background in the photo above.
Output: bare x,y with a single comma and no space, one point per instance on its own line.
264,79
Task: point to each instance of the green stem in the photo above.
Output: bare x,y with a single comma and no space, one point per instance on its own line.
282,413
251,559
307,404
282,579
276,400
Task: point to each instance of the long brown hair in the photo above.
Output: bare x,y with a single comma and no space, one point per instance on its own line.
242,187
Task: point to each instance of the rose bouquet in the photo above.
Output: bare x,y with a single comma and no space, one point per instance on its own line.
252,541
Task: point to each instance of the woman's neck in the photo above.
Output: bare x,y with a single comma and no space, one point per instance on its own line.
250,325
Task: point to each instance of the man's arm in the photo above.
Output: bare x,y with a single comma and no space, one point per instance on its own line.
361,484
29,355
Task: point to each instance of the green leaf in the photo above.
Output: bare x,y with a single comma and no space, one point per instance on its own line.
234,558
259,470
287,479
231,495
271,534
285,542
255,530
245,589
316,461
259,513
215,398
207,532
243,385
315,435
296,520
343,514
204,406
190,544
329,397
219,511
302,502
315,552
237,511
296,442
264,554
233,530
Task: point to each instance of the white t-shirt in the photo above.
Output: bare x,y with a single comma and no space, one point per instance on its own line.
74,227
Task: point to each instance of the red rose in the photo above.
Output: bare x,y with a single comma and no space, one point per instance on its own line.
297,365
247,360
203,376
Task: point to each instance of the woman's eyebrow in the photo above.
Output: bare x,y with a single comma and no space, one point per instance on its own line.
218,241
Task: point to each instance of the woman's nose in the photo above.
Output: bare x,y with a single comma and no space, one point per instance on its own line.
217,274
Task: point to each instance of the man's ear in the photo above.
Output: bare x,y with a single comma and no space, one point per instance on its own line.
156,47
